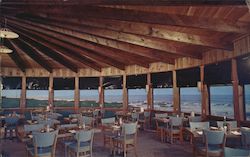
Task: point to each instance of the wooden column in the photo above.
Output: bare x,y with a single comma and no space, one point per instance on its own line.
149,90
176,94
101,92
125,92
51,89
23,93
237,94
204,94
77,92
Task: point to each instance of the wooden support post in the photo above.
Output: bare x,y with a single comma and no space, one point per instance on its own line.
101,92
125,93
149,90
23,93
51,89
176,94
204,94
237,94
77,92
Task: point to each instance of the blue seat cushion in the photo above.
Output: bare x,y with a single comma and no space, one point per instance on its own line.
45,151
82,145
215,149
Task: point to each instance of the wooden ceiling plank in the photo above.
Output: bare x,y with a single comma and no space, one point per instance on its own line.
149,42
91,54
21,46
151,53
47,41
128,2
21,64
219,25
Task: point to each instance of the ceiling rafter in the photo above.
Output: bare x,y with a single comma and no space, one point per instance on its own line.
48,52
145,29
21,45
214,24
21,63
139,40
47,41
151,53
71,48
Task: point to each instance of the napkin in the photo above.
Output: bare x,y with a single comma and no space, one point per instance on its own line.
200,132
72,131
236,133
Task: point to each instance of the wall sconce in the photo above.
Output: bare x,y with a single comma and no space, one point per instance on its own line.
99,89
147,88
199,85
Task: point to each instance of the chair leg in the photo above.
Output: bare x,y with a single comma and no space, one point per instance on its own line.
135,149
125,150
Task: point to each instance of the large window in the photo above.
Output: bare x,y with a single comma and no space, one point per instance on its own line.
162,91
247,101
113,94
89,95
37,92
190,98
163,99
64,92
11,92
137,95
221,101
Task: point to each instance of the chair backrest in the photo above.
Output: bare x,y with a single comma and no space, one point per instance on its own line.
129,128
176,121
146,114
11,120
84,135
245,136
199,125
74,115
161,115
33,127
87,120
135,116
50,122
108,120
36,117
233,124
195,119
214,137
67,126
234,152
45,139
96,113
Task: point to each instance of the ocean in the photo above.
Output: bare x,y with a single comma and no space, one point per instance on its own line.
221,102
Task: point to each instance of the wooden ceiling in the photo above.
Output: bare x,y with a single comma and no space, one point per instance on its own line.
95,34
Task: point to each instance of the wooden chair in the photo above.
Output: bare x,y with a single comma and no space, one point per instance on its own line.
234,152
233,124
175,129
44,144
145,120
83,144
127,140
214,143
107,132
160,125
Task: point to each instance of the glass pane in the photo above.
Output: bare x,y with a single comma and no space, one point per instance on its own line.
247,101
137,98
113,98
190,100
89,98
221,101
37,98
11,98
64,98
163,99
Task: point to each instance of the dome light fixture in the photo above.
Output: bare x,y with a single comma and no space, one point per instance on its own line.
4,49
7,33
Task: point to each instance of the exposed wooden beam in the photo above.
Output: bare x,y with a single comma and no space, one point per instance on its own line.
150,53
21,64
128,2
145,29
149,42
21,45
73,49
45,40
219,25
48,52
